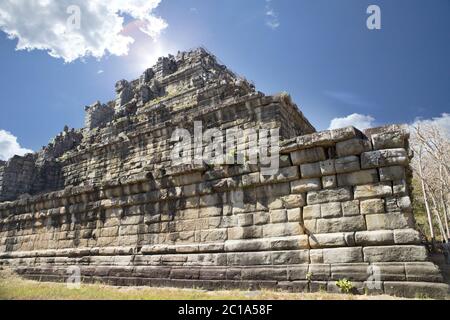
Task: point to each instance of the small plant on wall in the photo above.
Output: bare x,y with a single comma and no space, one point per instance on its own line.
345,285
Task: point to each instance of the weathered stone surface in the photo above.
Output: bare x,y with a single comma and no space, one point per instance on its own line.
331,210
416,289
281,229
342,255
372,206
389,271
290,257
352,147
305,185
329,182
357,178
327,240
402,204
389,139
373,190
289,243
389,221
307,156
350,271
406,236
383,158
328,195
350,208
393,173
294,215
311,212
298,272
371,238
395,253
293,201
327,167
344,224
423,271
347,164
310,170
277,216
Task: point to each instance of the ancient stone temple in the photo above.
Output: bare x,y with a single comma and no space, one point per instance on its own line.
107,199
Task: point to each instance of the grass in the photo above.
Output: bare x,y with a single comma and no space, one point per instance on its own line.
13,287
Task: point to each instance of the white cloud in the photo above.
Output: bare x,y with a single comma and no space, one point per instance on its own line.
9,146
271,16
357,120
53,25
100,71
442,122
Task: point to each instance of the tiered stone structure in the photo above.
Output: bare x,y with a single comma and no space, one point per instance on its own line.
108,200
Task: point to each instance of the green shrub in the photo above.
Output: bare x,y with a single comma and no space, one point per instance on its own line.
345,285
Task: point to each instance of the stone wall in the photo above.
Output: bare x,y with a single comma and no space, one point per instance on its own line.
339,206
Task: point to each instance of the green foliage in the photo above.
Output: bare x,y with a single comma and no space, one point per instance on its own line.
345,285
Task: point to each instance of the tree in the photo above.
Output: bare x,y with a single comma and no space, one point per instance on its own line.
431,146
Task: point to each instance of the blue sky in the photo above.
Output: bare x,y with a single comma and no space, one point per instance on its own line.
320,51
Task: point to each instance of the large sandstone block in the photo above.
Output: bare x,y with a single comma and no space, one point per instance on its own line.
351,147
350,208
329,182
381,189
371,238
281,229
384,158
290,257
393,173
305,185
342,255
407,236
327,167
327,240
389,221
423,271
357,178
416,289
289,243
308,155
350,271
389,271
311,212
329,195
395,253
347,164
344,224
331,210
297,272
264,274
389,139
284,174
249,259
310,170
250,232
319,271
372,206
247,245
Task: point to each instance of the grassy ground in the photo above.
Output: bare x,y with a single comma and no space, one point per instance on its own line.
13,287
